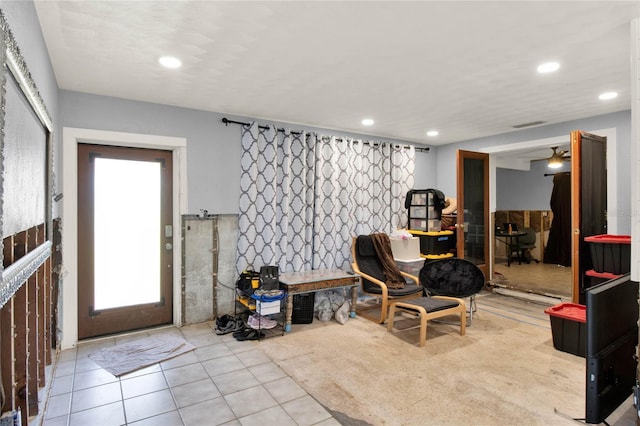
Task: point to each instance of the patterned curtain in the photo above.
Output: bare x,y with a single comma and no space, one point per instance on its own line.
304,196
403,166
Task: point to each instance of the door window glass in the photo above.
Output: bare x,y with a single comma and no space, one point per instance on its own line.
127,240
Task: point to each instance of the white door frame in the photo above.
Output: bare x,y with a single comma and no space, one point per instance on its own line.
71,137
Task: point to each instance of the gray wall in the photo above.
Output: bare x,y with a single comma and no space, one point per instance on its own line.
525,190
213,149
621,121
426,168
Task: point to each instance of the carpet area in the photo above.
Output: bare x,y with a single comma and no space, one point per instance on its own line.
505,370
130,356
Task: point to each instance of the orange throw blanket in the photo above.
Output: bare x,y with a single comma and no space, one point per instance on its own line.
382,245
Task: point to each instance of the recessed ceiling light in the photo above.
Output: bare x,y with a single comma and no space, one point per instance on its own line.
548,67
608,95
170,62
432,133
367,122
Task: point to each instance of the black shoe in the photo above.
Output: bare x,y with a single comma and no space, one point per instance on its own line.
242,332
233,325
252,335
221,323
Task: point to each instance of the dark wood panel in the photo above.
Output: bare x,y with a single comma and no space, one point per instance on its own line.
25,324
32,344
6,354
21,354
42,340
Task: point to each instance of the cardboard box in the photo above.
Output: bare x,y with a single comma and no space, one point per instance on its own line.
408,249
267,308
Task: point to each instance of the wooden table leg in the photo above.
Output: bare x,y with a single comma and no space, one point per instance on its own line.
354,300
288,312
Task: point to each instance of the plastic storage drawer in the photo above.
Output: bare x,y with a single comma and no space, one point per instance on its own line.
412,267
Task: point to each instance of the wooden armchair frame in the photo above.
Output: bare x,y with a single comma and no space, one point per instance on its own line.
419,307
412,291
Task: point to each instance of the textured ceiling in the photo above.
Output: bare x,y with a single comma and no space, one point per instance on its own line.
464,68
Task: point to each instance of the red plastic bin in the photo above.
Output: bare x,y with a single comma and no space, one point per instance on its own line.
568,327
599,277
610,253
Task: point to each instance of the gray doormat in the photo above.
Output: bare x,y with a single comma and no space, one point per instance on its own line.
130,356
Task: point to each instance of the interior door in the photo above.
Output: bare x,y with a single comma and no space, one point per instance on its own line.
124,239
472,235
588,202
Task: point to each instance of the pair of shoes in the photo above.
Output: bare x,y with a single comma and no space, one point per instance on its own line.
260,321
223,321
239,333
248,334
233,325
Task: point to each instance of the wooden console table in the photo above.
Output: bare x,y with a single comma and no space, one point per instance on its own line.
316,280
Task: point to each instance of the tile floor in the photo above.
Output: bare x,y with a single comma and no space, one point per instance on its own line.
221,382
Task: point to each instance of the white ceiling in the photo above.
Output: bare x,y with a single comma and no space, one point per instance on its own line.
467,69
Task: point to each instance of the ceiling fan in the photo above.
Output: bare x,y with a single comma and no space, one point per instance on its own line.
557,158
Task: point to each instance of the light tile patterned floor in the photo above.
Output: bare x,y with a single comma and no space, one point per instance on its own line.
222,382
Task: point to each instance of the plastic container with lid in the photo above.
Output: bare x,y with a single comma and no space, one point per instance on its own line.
610,253
568,327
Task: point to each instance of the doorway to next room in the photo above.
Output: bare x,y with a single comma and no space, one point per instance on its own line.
558,207
532,269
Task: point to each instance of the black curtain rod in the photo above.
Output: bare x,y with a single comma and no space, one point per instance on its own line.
553,174
226,122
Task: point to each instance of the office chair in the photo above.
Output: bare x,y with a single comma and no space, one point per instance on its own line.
524,243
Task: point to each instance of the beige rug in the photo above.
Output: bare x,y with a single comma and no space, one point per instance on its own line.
505,370
130,356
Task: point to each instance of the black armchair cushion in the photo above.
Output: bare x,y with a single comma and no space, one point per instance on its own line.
365,247
408,289
451,277
430,304
369,263
411,287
